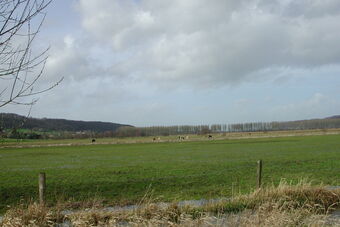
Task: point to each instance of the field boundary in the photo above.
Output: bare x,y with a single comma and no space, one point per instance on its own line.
191,138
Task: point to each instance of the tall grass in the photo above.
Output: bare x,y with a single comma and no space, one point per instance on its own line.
284,205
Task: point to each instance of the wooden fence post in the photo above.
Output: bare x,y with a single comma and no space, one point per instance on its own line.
259,173
42,188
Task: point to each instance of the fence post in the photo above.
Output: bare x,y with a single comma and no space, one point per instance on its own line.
259,173
42,188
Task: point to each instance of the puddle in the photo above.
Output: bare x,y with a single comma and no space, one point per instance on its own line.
332,187
192,203
333,219
66,223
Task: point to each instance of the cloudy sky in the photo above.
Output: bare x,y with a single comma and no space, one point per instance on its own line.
169,62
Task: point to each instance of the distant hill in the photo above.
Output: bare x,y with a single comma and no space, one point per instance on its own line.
333,117
10,120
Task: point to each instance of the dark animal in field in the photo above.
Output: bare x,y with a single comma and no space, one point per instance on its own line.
210,136
154,139
93,140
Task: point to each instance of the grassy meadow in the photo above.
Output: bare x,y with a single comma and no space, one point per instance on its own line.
167,171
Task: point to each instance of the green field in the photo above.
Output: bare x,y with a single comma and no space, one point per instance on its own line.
123,173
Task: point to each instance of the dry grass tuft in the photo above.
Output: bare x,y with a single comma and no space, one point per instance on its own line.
284,205
317,199
31,215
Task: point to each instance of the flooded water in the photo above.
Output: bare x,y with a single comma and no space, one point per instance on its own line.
191,203
334,217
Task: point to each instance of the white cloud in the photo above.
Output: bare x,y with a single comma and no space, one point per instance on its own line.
216,42
74,59
69,41
179,61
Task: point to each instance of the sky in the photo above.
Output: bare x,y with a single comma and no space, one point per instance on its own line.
175,62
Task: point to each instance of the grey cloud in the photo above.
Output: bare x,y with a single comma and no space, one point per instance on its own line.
313,8
301,8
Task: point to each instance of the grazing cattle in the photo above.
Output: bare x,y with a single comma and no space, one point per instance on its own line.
210,136
154,139
181,138
93,140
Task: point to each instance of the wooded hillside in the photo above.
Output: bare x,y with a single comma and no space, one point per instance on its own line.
10,121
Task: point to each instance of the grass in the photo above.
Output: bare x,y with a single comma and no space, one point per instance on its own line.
5,142
123,173
284,205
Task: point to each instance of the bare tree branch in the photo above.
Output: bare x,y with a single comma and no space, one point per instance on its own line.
20,66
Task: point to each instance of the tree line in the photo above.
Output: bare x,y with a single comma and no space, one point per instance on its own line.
228,128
